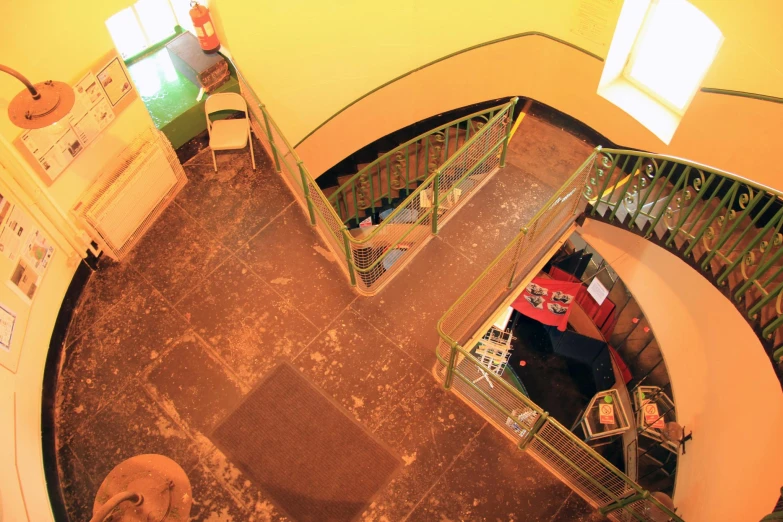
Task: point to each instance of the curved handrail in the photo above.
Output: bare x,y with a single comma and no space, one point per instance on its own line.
404,146
696,165
737,221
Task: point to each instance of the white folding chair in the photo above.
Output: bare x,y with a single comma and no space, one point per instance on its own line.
228,134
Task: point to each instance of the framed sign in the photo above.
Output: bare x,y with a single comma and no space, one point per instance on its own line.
114,81
7,323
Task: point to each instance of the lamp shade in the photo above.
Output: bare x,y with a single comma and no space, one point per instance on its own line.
54,102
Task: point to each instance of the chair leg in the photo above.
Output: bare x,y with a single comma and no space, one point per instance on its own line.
252,156
214,161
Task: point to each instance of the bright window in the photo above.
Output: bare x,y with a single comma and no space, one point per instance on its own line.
672,53
142,25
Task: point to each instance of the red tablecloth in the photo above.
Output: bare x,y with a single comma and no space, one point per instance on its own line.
547,301
598,313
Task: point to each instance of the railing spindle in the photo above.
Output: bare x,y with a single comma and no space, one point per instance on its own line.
349,255
435,202
747,230
697,237
269,136
641,202
725,235
758,238
607,174
388,179
665,207
355,203
699,195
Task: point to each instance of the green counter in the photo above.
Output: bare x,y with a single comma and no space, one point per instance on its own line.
170,97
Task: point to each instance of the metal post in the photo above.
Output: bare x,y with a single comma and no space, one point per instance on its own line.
306,188
269,136
624,502
435,197
509,126
535,429
516,258
349,256
450,367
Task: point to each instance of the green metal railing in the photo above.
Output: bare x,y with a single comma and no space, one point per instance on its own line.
416,219
567,456
402,168
728,225
371,260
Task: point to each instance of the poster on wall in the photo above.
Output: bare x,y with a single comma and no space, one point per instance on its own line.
13,231
28,247
92,112
7,323
38,251
593,20
56,146
114,81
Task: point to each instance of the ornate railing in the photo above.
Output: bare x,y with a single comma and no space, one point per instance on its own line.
727,226
371,257
402,168
568,457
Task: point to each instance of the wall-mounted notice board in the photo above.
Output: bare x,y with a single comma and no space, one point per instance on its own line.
101,94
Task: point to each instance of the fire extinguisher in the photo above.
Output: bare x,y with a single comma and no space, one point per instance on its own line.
205,31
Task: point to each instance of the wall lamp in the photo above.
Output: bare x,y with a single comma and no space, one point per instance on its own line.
39,105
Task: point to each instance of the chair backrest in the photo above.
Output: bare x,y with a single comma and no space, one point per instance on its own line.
225,101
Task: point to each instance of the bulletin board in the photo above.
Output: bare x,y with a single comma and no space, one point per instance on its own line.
26,255
102,93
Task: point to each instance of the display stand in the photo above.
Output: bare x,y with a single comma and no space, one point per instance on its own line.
493,352
653,409
604,417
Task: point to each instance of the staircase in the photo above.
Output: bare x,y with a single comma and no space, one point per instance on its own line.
724,226
377,187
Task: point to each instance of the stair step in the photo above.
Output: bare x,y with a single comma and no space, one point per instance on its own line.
338,205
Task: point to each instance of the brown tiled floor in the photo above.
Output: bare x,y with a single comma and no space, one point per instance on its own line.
231,280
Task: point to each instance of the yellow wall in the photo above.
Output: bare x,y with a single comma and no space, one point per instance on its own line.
24,494
308,61
736,134
725,388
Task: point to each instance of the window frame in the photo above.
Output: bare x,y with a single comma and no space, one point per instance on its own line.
150,45
633,58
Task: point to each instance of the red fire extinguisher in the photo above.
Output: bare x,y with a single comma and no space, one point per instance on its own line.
205,31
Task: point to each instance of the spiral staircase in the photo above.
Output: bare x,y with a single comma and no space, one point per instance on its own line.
726,227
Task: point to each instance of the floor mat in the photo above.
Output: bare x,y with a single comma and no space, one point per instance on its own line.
298,446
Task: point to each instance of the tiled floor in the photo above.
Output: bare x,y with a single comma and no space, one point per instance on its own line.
231,280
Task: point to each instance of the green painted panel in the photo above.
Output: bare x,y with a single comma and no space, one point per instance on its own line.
170,97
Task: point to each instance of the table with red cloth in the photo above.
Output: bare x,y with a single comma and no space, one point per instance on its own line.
548,301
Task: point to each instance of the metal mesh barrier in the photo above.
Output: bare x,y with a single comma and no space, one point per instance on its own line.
583,470
507,408
371,259
385,250
294,173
